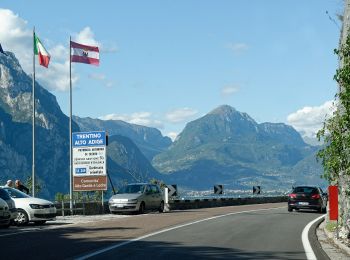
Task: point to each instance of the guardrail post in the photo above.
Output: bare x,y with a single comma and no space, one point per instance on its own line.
166,200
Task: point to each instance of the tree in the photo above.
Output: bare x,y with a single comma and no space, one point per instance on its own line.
335,155
38,185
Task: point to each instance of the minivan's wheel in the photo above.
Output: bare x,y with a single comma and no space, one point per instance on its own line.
22,217
142,208
290,209
161,207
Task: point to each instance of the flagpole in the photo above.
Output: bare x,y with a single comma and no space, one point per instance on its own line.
33,106
70,130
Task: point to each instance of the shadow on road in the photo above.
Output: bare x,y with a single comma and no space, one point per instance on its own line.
161,250
66,244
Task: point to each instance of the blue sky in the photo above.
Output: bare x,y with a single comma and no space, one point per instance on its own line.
165,63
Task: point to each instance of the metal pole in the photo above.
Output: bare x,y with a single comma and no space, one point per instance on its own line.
33,107
70,131
110,180
103,208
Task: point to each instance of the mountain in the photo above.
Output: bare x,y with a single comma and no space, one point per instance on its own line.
223,147
126,163
229,147
52,130
149,140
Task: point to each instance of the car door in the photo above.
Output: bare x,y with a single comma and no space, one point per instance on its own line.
148,198
157,196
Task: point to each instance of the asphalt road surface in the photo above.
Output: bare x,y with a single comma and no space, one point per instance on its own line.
265,231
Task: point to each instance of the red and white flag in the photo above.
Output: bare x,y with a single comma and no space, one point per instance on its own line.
85,54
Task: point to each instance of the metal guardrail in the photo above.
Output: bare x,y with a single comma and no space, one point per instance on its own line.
81,207
96,207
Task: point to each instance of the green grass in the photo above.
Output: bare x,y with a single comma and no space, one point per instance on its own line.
331,226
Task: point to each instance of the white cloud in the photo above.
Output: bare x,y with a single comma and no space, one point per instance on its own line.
237,48
309,120
139,118
59,53
97,76
172,135
109,84
180,115
87,37
101,77
109,49
229,90
16,37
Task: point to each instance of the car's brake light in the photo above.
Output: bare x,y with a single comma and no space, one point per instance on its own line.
292,195
316,196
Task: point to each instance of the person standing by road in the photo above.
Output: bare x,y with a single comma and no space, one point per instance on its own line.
21,187
9,183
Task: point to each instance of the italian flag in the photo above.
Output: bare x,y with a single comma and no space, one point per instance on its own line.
43,55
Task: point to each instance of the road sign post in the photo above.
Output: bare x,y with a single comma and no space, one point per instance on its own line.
256,190
218,189
172,190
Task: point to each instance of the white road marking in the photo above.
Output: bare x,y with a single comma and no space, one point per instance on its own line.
305,239
163,231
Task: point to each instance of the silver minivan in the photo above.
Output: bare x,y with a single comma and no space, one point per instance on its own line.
137,197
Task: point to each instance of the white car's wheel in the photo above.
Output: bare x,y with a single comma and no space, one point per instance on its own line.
22,217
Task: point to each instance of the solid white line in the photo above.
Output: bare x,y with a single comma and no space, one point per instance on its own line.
305,239
163,231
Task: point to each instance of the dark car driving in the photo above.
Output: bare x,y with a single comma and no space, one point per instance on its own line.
307,197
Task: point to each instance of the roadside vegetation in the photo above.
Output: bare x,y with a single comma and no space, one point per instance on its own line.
335,154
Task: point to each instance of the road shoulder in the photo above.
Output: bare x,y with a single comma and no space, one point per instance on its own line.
325,245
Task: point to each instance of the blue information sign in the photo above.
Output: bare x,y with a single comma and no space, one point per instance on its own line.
97,138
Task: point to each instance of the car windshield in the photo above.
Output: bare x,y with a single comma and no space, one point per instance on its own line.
16,193
309,190
133,188
4,195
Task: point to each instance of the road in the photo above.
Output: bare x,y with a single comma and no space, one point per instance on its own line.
265,231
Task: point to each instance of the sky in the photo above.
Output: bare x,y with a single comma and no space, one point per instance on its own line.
165,63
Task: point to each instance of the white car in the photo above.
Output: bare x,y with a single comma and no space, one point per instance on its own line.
31,209
5,214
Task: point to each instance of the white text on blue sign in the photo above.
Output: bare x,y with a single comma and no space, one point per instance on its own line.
89,139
